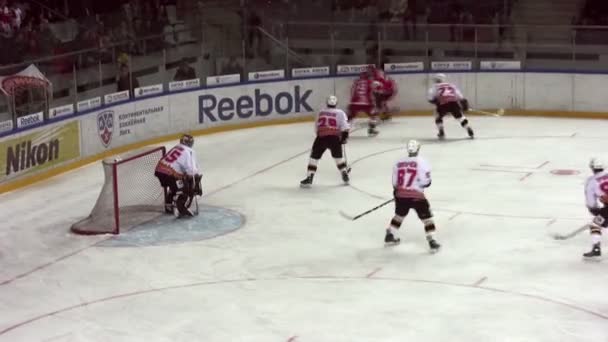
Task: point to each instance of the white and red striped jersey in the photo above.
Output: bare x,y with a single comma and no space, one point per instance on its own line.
596,189
410,176
444,93
179,161
361,92
331,121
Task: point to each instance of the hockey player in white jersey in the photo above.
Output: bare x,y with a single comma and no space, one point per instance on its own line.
411,175
178,174
331,128
596,195
447,98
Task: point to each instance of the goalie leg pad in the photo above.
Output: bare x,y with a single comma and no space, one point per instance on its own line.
182,202
198,189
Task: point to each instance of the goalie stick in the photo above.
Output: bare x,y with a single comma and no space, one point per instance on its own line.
570,235
352,218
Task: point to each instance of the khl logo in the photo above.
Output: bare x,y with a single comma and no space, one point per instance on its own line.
105,126
261,104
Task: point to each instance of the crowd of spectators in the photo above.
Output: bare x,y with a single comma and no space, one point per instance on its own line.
594,12
24,31
34,30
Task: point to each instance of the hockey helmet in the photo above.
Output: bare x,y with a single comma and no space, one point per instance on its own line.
413,146
439,78
187,140
332,101
596,165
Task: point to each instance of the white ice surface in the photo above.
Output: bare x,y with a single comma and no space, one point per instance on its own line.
299,272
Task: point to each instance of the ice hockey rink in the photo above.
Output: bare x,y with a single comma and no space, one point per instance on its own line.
294,270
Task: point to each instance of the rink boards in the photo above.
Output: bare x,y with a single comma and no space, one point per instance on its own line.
41,151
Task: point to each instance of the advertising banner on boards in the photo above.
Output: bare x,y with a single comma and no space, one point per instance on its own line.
43,149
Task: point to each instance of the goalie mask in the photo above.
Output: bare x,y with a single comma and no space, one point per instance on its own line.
187,140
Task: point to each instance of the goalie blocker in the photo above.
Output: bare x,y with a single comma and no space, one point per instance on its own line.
178,174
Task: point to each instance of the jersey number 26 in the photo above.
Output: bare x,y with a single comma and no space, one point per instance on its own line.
325,121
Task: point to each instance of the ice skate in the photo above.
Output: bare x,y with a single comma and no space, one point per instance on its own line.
390,239
441,134
471,133
345,177
372,132
306,182
184,213
594,253
434,246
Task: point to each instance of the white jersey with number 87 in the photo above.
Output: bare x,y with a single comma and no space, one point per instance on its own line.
596,189
410,176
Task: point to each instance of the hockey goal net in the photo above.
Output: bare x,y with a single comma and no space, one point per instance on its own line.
131,194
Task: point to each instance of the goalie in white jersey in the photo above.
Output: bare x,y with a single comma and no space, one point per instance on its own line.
596,195
331,128
411,175
178,174
448,99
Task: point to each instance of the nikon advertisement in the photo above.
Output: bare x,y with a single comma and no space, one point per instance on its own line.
40,150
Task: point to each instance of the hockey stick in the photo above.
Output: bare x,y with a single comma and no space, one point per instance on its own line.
570,235
195,199
352,218
500,112
348,168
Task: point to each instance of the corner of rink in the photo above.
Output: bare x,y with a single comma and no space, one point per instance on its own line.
166,229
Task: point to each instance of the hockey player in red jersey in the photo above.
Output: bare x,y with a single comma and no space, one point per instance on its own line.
383,93
362,101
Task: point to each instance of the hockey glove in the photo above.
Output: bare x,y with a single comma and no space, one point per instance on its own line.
594,211
464,103
344,137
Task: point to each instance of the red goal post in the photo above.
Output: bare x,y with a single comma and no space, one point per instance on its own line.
130,196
